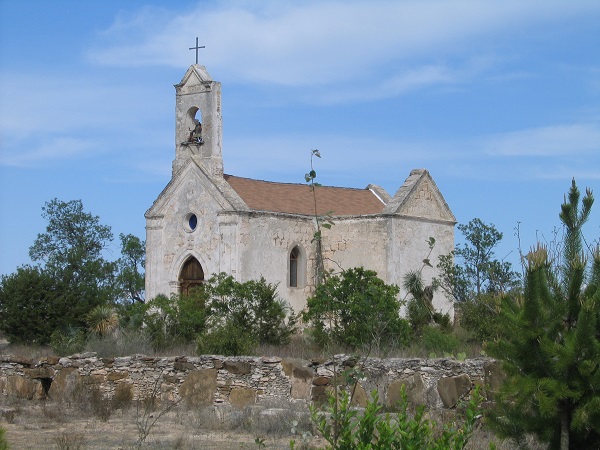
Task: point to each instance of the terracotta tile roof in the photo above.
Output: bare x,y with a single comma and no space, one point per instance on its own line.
298,198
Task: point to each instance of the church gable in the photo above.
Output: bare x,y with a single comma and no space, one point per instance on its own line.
419,197
196,79
193,182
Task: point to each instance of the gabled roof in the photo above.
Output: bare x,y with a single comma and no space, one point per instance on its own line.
420,197
298,198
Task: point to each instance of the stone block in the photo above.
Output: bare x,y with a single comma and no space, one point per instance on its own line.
198,388
183,365
237,367
493,377
300,376
319,394
242,397
66,383
452,389
39,372
17,386
414,387
320,381
359,396
114,376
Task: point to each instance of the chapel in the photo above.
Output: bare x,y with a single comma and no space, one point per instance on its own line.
206,221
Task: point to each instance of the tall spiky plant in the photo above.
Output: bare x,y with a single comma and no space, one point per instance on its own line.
551,353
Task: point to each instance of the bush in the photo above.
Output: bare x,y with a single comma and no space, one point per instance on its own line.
356,308
344,427
252,306
3,441
438,341
227,340
482,316
68,341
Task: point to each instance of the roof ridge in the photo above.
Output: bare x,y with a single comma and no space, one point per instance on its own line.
225,175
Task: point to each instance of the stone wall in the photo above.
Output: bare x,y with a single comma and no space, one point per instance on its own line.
238,382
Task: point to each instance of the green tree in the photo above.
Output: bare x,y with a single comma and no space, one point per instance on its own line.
71,250
472,269
356,308
551,351
253,306
130,277
31,306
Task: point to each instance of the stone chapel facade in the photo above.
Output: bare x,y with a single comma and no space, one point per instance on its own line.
205,222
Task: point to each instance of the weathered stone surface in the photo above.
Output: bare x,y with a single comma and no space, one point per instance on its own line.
114,376
198,388
217,363
359,396
319,394
65,384
493,377
39,372
51,360
237,367
452,389
242,397
300,377
415,390
320,381
93,379
270,359
183,365
16,359
22,387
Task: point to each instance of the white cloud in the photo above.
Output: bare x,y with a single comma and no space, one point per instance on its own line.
557,140
312,43
60,148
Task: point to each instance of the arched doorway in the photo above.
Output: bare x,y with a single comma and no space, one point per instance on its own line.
191,275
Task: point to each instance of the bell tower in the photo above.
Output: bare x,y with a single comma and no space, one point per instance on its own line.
198,123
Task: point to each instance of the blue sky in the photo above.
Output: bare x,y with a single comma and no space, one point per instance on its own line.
499,100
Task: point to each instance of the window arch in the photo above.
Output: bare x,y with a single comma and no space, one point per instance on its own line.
191,275
296,264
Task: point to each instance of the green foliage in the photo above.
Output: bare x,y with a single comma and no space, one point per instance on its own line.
102,320
438,341
252,306
32,306
3,441
347,428
130,277
71,250
174,320
482,316
357,308
228,340
472,269
551,350
68,341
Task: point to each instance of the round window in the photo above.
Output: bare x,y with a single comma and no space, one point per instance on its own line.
192,221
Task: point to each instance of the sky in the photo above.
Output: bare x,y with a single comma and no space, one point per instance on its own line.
499,100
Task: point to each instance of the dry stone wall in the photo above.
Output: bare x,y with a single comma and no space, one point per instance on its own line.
238,382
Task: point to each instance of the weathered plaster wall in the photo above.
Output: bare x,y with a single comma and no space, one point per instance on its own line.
243,381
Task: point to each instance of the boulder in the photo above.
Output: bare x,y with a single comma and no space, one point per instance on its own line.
198,388
452,389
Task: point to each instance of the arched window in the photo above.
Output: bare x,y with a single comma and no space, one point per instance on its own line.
294,266
191,275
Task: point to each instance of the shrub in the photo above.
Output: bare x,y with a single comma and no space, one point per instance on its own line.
437,341
344,427
356,308
227,340
481,316
3,441
68,341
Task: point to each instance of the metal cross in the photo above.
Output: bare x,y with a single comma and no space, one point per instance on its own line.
196,48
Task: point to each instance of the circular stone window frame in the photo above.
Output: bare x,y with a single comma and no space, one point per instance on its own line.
187,222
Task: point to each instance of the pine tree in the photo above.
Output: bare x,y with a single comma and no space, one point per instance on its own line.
551,355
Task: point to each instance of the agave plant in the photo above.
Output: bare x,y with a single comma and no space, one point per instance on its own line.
102,320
